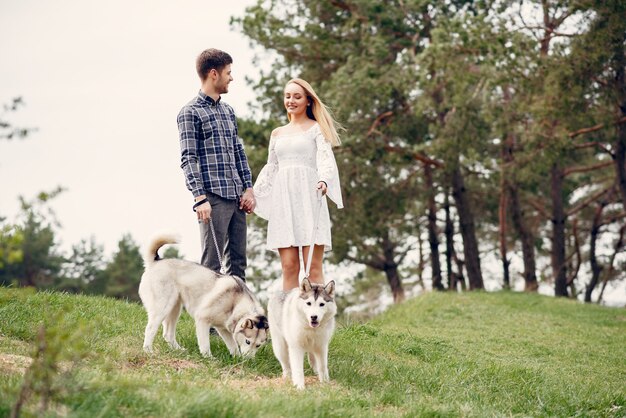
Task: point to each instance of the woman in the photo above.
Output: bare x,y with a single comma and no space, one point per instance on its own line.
300,170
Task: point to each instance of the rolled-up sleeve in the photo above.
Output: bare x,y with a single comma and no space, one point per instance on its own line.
188,126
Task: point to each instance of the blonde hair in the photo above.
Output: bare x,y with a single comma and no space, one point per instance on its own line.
319,113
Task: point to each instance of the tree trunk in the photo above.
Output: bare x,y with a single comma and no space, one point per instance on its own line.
433,238
421,263
619,243
468,230
517,217
620,161
394,282
558,231
619,63
459,278
596,268
575,260
449,234
526,238
391,271
502,231
454,278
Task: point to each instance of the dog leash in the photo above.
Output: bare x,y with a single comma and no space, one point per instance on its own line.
217,249
307,268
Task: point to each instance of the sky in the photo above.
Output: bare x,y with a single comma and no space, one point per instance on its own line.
102,83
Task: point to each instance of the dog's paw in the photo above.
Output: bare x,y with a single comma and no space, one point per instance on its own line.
148,349
298,382
323,375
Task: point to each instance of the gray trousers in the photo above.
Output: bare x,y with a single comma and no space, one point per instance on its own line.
230,227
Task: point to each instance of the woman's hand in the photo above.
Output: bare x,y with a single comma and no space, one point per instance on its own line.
321,185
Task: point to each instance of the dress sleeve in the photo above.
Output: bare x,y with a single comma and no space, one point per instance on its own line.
265,182
327,168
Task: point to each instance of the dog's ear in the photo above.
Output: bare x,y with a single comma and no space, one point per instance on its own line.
305,286
248,323
330,288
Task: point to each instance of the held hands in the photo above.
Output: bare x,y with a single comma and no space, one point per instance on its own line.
247,201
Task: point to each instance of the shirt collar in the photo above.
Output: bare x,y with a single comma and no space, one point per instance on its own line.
209,99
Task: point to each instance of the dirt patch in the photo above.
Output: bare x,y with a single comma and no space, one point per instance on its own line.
176,364
258,382
14,363
179,364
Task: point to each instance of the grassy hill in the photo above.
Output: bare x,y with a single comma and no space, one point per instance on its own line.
474,355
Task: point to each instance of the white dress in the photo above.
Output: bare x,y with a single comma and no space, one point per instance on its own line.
286,189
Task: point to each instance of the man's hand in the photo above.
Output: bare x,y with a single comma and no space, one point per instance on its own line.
247,201
204,210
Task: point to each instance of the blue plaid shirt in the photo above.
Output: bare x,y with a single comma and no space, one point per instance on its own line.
212,155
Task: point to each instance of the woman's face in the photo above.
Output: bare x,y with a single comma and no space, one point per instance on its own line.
295,99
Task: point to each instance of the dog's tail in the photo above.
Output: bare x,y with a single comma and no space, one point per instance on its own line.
152,252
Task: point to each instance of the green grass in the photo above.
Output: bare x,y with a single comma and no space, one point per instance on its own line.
439,355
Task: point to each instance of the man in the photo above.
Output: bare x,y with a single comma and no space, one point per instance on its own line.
216,167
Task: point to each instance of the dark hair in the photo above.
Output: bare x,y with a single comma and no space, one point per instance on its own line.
210,59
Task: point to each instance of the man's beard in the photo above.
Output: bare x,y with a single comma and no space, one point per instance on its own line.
223,89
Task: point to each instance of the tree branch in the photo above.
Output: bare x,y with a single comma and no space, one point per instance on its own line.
539,207
418,156
379,119
370,263
551,31
594,128
403,255
614,218
594,144
586,169
588,201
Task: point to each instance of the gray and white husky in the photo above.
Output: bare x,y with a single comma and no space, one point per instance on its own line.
213,300
302,321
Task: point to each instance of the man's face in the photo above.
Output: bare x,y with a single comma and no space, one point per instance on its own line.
223,79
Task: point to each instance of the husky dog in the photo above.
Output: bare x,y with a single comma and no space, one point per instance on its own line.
302,321
213,300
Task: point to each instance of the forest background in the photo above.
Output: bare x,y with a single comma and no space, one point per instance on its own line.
485,147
